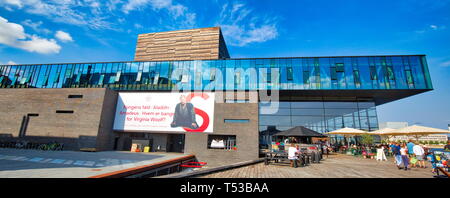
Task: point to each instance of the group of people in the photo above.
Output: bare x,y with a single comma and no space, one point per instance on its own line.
408,155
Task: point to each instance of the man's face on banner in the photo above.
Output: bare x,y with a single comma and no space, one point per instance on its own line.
183,99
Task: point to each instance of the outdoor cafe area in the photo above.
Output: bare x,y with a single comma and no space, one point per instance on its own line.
313,145
308,144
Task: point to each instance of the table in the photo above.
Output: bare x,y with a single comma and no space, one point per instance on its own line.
277,156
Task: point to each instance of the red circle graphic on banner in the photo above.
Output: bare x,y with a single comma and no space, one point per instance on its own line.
199,112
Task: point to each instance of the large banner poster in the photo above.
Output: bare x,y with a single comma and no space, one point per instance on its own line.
182,112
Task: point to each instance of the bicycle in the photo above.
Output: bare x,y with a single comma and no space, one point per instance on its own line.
21,145
54,146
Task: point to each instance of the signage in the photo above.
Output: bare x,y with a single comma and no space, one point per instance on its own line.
163,112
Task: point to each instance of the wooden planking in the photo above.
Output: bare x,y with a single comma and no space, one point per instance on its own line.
336,166
193,44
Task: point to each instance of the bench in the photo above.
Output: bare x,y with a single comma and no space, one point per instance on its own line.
276,157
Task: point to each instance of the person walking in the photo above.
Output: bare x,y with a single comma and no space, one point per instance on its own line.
325,150
404,155
397,155
419,152
410,146
390,148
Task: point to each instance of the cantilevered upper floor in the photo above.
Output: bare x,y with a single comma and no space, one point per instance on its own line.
384,78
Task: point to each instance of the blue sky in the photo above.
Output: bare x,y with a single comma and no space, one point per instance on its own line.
54,31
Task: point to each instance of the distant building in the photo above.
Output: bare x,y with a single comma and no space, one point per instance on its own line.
393,125
398,125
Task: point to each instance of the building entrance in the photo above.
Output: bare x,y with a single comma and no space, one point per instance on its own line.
175,143
157,142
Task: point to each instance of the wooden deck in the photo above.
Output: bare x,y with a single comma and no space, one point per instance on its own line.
336,166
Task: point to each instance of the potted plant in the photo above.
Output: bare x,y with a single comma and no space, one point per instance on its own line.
367,139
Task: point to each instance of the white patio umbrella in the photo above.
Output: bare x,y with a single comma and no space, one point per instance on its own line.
347,132
383,132
417,131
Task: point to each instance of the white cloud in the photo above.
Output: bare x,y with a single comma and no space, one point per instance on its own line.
431,28
13,3
138,26
13,35
63,36
66,11
11,63
39,45
445,63
180,14
36,26
8,63
102,14
240,28
140,4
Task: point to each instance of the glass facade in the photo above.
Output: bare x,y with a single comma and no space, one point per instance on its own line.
319,73
305,73
321,115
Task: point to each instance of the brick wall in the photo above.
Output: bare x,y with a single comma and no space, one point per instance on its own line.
90,124
246,133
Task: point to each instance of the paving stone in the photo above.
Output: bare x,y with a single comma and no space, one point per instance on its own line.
336,166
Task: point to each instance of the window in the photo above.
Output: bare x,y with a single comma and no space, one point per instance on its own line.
46,81
64,111
290,75
155,81
101,79
118,76
269,76
237,78
139,76
305,77
33,115
198,78
339,67
57,77
224,142
237,101
409,77
356,77
112,79
75,96
236,120
77,80
390,72
184,78
373,72
333,73
22,80
212,75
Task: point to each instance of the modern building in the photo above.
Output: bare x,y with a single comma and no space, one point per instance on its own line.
108,105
